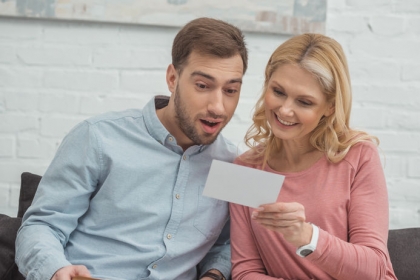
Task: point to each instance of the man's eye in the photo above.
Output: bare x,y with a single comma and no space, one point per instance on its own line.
231,91
202,86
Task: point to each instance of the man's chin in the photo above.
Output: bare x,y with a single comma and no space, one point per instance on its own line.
208,139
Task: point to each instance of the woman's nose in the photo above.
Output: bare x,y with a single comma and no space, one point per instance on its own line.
286,109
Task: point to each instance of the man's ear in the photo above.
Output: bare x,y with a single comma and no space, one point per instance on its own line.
171,78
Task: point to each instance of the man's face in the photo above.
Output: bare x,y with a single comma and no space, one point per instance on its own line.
206,94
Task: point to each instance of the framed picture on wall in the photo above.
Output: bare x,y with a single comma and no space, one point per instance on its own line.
271,16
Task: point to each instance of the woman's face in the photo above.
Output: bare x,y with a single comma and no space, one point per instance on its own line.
294,103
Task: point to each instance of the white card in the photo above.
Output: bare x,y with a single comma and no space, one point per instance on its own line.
242,185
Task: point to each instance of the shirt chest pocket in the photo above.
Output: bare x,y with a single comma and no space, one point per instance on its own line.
211,216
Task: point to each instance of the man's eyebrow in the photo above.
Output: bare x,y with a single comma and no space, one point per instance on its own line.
199,73
239,80
211,78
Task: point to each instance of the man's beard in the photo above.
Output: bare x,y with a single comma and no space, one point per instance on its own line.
186,122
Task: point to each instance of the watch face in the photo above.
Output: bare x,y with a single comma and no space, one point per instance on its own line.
306,252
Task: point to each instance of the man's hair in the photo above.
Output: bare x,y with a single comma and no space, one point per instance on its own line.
208,36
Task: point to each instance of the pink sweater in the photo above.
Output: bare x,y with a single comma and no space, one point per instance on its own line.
348,201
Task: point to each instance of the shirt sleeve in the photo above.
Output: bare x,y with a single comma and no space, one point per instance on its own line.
62,197
365,255
219,255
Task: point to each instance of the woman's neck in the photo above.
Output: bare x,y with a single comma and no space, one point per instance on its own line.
294,157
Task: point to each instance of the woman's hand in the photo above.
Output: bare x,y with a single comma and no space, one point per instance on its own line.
286,218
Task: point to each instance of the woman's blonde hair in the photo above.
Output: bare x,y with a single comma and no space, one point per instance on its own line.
324,58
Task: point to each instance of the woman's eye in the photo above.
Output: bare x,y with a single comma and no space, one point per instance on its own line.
305,103
278,92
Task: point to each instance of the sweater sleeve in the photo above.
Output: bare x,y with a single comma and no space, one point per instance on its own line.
246,261
219,255
365,255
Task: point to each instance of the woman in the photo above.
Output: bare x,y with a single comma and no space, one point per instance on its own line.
330,220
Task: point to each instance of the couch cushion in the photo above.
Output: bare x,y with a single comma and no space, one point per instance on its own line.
28,186
8,229
404,250
10,225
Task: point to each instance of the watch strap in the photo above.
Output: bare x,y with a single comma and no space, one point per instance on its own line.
303,250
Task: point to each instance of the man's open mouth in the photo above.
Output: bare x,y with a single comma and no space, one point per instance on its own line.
209,123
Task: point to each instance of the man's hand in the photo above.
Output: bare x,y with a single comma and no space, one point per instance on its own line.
68,272
213,271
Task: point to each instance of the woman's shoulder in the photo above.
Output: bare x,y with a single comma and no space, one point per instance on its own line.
361,152
363,147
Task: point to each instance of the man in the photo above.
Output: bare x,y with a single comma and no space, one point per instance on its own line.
122,199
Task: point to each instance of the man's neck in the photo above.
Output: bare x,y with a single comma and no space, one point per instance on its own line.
167,117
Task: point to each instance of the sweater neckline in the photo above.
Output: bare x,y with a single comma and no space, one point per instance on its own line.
310,169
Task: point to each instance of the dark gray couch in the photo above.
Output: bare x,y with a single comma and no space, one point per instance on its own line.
404,250
10,225
403,244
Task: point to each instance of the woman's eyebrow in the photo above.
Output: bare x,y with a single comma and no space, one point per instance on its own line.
300,95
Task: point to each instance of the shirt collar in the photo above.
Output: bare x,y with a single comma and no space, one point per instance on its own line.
153,124
156,128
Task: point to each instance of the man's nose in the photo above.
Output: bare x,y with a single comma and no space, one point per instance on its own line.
216,103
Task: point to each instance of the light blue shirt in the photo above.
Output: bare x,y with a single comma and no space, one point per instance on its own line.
122,198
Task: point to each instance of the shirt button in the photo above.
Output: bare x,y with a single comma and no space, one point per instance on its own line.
154,266
171,138
177,196
184,157
169,236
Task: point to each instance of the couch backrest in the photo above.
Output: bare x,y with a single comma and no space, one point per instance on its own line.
404,250
10,225
28,186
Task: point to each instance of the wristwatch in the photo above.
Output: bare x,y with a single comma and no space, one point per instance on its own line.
213,276
306,250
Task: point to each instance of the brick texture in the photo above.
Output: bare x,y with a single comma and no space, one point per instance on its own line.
54,74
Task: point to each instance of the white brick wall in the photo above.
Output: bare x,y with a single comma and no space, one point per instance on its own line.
382,42
53,74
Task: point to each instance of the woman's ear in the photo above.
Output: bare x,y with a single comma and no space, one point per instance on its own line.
330,110
171,78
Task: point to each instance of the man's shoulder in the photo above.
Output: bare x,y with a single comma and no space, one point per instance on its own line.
113,116
224,149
